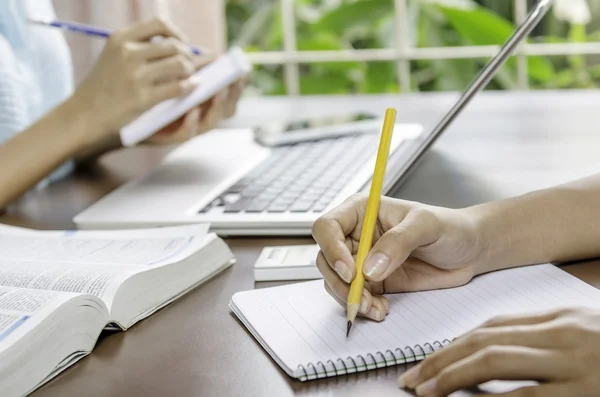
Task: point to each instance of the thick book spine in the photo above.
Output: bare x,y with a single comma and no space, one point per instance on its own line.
368,361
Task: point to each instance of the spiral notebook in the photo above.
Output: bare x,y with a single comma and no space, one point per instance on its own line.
304,329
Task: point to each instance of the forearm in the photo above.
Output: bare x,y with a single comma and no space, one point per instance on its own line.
553,225
33,154
92,153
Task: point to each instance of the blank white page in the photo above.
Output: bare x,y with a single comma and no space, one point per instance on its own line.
304,329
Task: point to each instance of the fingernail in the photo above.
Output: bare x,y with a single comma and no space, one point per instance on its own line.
376,265
378,315
426,388
344,271
410,377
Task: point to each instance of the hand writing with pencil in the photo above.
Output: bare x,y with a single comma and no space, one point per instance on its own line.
421,247
416,247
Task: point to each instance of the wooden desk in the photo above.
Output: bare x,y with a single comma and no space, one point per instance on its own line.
503,144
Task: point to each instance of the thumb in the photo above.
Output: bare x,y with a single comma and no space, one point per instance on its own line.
418,228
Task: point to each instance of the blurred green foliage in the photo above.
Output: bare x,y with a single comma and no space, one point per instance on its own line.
325,25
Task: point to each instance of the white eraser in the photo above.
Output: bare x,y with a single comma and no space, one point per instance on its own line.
294,262
212,78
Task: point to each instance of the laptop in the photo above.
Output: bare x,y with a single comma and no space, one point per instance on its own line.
226,178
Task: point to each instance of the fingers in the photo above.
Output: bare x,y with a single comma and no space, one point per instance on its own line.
172,128
190,128
233,96
554,389
177,67
146,30
180,130
170,90
419,227
167,48
366,303
370,307
481,339
374,308
522,319
380,307
212,112
494,363
330,231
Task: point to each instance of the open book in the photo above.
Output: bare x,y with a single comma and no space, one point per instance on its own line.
59,290
304,329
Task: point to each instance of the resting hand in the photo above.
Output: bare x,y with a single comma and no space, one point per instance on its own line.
560,349
133,74
417,247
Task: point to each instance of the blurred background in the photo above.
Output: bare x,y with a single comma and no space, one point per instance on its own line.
312,47
331,25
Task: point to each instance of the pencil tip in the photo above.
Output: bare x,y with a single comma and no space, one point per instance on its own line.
348,329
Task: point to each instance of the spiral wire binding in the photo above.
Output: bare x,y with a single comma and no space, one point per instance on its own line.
430,346
398,356
332,363
372,358
393,355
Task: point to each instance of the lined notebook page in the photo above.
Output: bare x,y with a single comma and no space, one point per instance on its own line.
303,328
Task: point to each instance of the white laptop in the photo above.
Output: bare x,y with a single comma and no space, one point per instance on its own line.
240,187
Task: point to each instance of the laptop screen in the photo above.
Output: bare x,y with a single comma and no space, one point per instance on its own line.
487,73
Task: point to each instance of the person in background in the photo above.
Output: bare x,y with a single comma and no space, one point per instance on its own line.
421,247
47,125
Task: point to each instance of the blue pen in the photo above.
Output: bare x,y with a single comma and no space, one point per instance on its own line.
86,29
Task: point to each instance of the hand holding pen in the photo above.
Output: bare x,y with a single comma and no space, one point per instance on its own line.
143,65
90,30
133,73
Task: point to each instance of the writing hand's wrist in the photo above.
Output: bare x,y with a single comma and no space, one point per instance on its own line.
87,124
489,257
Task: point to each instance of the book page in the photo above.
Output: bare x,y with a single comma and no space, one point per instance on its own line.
102,281
123,247
21,309
92,262
301,324
42,332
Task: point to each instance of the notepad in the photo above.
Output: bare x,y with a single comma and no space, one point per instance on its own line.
212,78
304,329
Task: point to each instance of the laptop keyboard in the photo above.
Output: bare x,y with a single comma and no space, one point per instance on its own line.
304,177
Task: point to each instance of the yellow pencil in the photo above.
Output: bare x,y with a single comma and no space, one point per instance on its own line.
366,237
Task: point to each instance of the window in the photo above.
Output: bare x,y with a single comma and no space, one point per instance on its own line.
388,46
